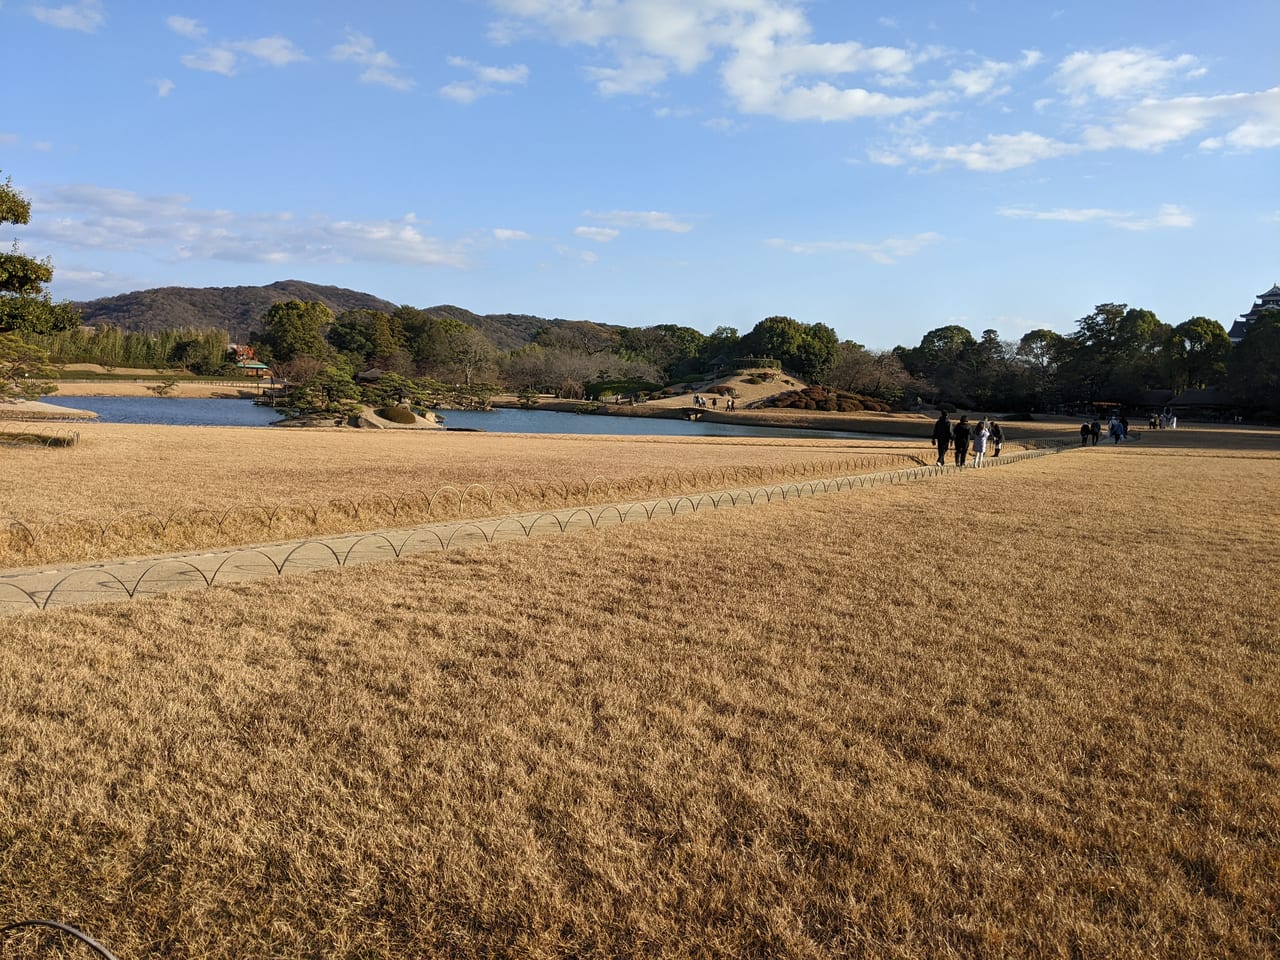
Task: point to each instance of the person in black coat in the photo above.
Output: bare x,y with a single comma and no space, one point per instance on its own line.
961,436
942,436
997,437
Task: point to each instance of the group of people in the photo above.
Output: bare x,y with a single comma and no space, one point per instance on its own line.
1166,421
962,435
700,401
1091,430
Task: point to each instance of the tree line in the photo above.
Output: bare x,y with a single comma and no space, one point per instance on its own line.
1116,354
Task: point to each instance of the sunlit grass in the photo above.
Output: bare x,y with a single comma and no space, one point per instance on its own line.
128,490
1019,712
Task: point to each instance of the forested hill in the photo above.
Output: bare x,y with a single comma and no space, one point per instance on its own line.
239,310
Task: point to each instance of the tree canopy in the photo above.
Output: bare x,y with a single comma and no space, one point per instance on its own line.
25,306
293,328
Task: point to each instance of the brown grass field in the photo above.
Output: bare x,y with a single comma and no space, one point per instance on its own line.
1032,711
128,489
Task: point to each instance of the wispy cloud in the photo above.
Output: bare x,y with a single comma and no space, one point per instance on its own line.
224,57
86,16
379,66
485,80
169,228
996,154
989,78
1170,215
276,51
164,86
1239,121
886,251
211,60
186,27
642,220
598,234
1117,74
504,235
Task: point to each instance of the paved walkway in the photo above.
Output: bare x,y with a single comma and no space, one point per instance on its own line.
69,584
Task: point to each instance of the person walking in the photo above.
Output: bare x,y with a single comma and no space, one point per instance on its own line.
1095,430
942,436
1115,430
981,433
961,436
1084,434
997,438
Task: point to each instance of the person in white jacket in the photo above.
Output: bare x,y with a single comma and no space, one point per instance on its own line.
981,432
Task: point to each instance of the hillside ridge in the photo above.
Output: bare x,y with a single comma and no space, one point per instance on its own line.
239,310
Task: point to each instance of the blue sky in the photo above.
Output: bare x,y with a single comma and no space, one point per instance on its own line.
884,168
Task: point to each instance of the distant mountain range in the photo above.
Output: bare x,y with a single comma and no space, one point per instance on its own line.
239,310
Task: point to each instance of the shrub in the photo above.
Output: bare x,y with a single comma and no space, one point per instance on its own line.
752,380
623,388
396,414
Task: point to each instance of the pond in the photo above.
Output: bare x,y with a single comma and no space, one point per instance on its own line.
245,413
183,411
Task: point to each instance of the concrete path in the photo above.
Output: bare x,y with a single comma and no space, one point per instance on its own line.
70,584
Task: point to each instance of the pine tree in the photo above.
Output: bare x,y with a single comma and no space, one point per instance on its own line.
25,307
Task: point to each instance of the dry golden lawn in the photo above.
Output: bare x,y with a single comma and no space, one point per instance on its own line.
1032,711
126,489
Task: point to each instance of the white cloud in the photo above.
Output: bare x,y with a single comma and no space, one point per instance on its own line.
168,227
504,235
996,154
1252,121
886,252
1116,74
86,16
186,27
641,219
987,77
224,58
380,67
485,80
598,234
723,125
212,60
8,139
767,63
1170,215
164,86
277,51
633,75
1080,215
1244,121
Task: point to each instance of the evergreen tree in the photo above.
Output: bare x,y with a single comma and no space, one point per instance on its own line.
25,307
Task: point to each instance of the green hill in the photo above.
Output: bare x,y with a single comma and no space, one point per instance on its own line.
239,310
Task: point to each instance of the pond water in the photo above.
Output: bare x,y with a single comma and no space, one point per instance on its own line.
244,413
183,411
